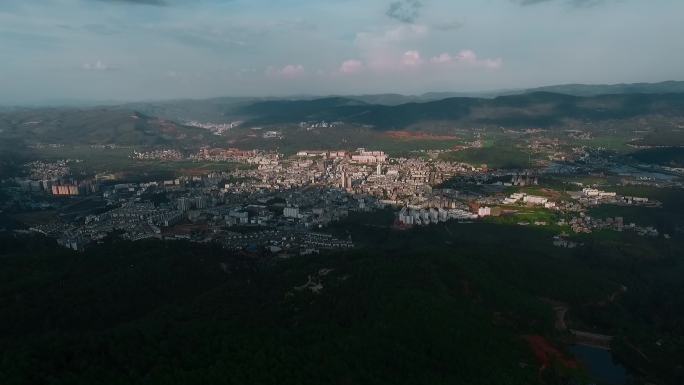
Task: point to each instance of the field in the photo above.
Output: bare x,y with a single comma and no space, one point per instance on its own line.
494,156
345,137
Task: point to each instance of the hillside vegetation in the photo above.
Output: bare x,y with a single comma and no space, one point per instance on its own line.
95,126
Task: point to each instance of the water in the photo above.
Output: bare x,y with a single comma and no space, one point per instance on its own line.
640,174
600,365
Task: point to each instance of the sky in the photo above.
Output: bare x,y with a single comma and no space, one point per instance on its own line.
126,50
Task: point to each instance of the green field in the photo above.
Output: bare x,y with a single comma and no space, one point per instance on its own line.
345,138
494,156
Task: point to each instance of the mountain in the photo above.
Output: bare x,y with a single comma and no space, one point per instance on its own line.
95,126
606,89
155,124
226,109
217,110
541,109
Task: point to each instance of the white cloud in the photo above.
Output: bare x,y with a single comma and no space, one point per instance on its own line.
351,66
411,59
290,71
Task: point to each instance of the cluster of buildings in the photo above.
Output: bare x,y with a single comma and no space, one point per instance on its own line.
279,204
318,124
534,200
59,187
215,128
587,224
39,170
210,208
418,217
593,197
158,155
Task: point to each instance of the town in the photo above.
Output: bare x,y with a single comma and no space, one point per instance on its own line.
282,205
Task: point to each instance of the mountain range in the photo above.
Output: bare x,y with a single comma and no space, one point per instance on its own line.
165,123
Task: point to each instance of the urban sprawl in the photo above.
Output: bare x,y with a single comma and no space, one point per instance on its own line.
282,205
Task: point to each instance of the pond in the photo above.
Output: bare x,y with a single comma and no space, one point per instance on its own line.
601,365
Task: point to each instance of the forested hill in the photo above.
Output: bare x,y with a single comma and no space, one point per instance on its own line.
123,126
99,125
608,89
540,109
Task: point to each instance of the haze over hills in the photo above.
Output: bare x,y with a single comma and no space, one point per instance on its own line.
162,123
536,109
220,109
605,89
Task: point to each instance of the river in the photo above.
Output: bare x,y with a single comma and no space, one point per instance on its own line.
601,365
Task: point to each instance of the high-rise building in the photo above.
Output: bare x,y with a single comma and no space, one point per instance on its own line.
200,203
184,204
291,212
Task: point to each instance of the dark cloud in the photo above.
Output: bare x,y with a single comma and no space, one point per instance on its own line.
144,2
406,11
576,3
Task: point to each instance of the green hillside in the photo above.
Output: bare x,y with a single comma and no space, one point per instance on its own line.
529,110
605,89
96,126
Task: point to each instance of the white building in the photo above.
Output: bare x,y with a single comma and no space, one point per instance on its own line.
291,212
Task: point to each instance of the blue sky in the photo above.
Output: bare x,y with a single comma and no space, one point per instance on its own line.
161,49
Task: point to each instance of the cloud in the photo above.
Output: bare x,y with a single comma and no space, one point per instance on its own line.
406,11
411,59
351,66
290,71
97,66
441,59
466,58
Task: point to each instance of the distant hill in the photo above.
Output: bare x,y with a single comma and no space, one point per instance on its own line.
225,109
96,126
608,89
157,124
217,110
541,109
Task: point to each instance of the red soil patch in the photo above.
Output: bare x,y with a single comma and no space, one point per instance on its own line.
186,229
417,135
546,353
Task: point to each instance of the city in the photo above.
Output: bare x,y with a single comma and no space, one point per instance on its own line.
397,192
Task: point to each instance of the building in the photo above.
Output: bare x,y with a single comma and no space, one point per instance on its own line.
364,156
535,200
346,181
291,212
65,190
184,204
200,203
